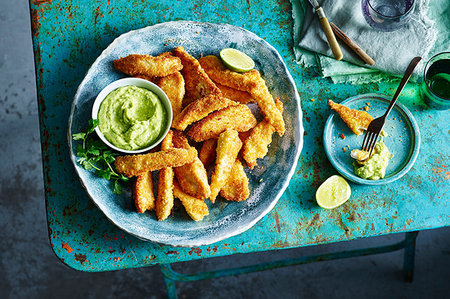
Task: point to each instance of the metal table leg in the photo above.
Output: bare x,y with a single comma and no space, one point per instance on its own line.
408,256
408,244
170,284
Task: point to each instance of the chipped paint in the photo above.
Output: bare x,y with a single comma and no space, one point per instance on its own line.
81,258
39,2
66,246
277,222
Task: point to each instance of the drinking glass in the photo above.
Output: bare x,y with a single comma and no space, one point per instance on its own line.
435,89
387,15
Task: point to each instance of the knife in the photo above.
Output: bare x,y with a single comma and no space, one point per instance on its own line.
331,38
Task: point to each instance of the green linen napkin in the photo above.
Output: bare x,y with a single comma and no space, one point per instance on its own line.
341,71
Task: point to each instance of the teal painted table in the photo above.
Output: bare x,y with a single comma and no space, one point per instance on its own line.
69,35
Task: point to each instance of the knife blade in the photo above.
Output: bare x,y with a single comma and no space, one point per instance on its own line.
331,38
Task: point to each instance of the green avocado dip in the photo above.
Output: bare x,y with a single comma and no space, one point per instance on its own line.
132,117
374,168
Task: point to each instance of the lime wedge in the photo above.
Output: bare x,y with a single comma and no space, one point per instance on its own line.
333,192
236,60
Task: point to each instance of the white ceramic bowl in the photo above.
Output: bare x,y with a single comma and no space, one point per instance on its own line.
139,83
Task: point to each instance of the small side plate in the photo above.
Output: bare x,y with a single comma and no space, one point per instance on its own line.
403,140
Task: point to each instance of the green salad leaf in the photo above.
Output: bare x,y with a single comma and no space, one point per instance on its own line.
94,154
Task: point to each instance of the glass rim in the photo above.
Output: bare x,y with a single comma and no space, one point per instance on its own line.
425,69
396,16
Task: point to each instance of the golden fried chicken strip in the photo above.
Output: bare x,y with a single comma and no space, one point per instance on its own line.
147,65
139,164
207,152
198,84
192,177
173,86
199,109
219,73
236,187
244,135
268,107
236,95
238,118
256,145
143,192
356,120
196,208
164,202
251,82
228,146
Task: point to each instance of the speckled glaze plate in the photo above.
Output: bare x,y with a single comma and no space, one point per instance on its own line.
267,182
403,140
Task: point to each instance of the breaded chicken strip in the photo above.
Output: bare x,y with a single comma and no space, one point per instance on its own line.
164,202
199,109
207,152
251,82
196,208
236,187
236,95
219,73
147,65
268,108
192,176
228,146
356,120
256,145
139,164
173,86
143,193
238,118
198,84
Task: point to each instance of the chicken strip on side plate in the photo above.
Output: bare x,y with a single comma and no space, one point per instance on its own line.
143,196
139,164
173,86
192,176
196,208
164,202
199,109
236,187
149,66
198,84
238,118
228,146
356,120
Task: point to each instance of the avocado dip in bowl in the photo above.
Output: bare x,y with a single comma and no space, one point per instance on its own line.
134,115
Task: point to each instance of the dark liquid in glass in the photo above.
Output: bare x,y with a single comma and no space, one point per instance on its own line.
438,78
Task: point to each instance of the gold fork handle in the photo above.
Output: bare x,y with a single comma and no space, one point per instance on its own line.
409,70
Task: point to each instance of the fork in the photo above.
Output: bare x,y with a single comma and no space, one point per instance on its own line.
374,129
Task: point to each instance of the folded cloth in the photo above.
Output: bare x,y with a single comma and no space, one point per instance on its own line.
392,51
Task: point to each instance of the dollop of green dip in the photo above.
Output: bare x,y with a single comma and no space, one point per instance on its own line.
374,168
132,117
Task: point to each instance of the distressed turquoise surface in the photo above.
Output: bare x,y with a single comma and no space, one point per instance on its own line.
68,36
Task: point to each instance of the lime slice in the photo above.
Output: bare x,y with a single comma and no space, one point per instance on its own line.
333,192
236,60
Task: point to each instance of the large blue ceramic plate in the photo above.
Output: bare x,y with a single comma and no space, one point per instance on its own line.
403,140
267,182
